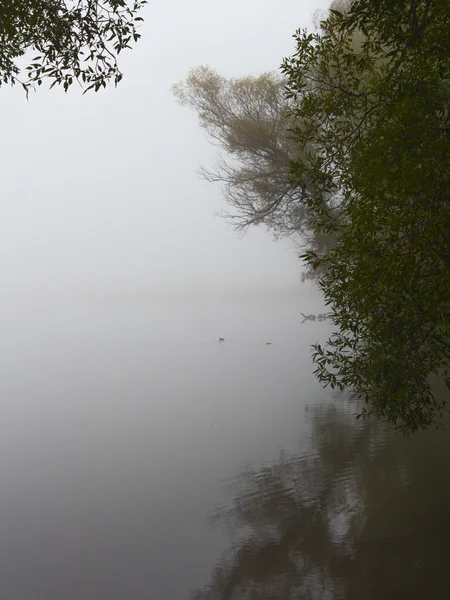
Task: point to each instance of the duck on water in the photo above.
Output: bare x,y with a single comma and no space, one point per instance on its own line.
221,339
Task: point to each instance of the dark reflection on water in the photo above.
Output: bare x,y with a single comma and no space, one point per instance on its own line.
364,515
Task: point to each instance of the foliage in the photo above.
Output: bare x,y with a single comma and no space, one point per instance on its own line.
249,119
377,115
72,40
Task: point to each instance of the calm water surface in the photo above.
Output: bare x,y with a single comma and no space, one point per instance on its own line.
142,460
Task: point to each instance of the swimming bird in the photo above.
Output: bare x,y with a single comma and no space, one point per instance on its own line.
268,343
221,339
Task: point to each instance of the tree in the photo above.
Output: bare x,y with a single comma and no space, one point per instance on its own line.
249,119
377,116
72,40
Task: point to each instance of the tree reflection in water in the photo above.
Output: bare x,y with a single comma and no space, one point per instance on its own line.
363,515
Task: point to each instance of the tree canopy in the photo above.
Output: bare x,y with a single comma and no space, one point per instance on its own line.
377,116
249,118
65,41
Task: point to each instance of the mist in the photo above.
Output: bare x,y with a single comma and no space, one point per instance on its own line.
163,435
121,413
100,193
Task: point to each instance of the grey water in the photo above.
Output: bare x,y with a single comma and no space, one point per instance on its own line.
142,459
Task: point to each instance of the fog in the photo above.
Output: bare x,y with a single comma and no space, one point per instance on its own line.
100,194
126,427
121,414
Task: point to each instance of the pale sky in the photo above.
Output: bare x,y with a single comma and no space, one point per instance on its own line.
101,191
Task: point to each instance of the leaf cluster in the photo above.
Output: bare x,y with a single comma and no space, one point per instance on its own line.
66,41
377,115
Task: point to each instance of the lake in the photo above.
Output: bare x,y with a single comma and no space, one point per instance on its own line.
142,459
